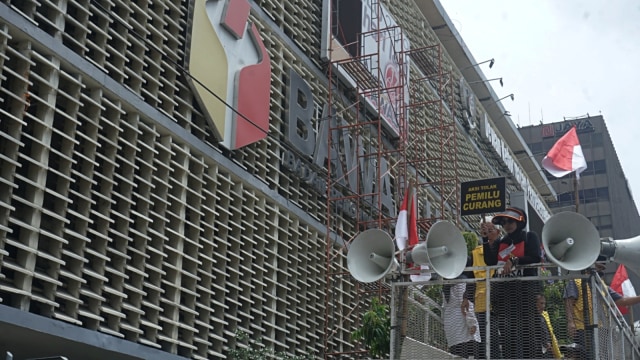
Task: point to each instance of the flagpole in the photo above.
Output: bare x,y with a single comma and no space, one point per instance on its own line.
575,191
404,292
404,325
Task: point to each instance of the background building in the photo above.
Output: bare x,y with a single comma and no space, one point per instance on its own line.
603,195
141,217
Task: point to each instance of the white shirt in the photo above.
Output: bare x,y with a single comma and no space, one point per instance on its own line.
457,325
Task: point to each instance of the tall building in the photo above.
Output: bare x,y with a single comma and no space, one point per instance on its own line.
174,172
602,194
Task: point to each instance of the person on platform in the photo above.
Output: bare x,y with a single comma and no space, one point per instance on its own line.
477,293
547,343
460,327
513,299
578,292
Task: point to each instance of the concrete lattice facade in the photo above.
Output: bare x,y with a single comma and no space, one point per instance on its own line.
127,231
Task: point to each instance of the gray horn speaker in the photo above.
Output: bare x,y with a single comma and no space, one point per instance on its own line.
571,241
445,250
371,256
625,252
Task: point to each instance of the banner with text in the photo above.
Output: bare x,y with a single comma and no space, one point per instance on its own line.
482,196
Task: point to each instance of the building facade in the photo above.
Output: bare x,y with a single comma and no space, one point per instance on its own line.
175,172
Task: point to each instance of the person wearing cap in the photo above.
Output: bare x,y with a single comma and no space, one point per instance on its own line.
514,301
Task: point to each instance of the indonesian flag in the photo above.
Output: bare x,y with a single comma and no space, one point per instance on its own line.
565,156
622,285
413,221
407,229
407,226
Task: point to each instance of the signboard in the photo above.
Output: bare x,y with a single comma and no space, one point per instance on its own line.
482,196
227,56
366,31
390,64
560,128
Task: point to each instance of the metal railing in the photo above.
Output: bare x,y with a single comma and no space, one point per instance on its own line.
418,324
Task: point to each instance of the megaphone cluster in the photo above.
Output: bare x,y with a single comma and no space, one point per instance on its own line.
572,242
569,239
371,254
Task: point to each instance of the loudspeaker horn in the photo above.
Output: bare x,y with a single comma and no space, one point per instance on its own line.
625,252
371,256
571,241
445,250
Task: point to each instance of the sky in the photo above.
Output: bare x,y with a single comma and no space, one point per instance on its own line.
562,59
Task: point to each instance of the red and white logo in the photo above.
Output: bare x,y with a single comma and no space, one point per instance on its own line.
548,131
230,71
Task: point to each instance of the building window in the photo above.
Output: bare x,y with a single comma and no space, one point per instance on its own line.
603,193
596,139
564,199
588,195
599,167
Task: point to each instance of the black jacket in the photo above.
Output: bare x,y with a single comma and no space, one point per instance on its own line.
532,252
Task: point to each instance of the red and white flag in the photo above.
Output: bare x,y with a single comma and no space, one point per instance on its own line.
407,226
622,285
565,156
413,220
407,230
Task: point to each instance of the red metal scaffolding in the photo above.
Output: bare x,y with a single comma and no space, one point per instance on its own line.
422,152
